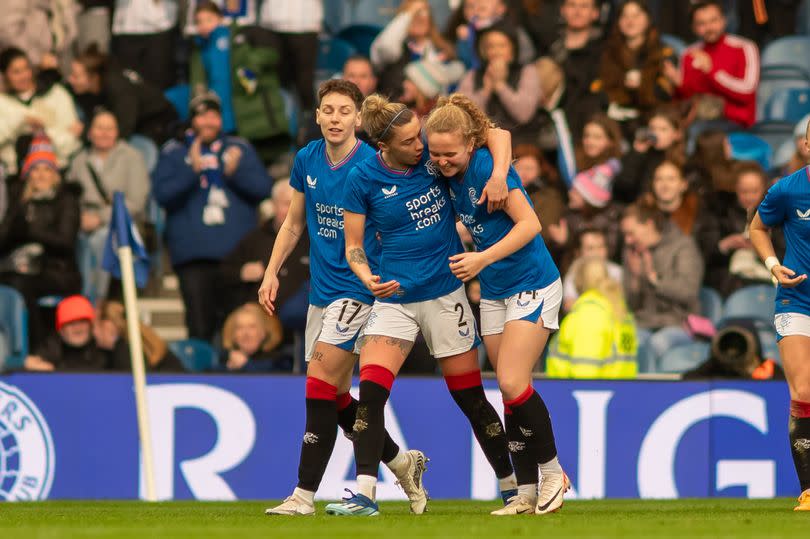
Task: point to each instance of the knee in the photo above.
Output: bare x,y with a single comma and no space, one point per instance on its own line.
801,390
513,384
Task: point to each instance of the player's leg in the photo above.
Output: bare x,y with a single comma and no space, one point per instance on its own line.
449,329
795,352
389,338
408,466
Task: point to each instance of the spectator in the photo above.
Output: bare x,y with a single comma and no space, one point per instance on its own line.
685,209
555,133
731,262
663,138
579,50
44,29
144,37
358,69
663,271
411,35
296,26
542,183
138,105
506,90
589,199
111,335
801,154
425,81
210,185
248,340
240,12
73,347
211,60
591,243
93,24
709,169
30,105
632,68
38,234
720,73
109,164
597,339
243,268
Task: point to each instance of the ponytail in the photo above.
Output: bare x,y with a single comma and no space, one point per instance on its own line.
457,112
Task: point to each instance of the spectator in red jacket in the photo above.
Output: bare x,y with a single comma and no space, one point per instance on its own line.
721,71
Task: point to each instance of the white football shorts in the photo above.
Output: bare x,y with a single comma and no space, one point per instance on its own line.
530,306
340,323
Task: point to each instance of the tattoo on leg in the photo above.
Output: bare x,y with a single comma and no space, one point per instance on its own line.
358,256
317,356
404,346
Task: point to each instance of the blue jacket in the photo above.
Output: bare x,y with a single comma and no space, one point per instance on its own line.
215,53
184,194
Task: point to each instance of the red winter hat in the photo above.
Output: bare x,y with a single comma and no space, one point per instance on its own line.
73,309
41,151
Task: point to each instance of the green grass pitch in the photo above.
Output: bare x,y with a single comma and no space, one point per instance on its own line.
445,519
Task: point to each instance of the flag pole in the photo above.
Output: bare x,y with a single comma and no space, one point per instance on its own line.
138,371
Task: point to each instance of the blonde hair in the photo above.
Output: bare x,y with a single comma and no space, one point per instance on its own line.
457,112
154,348
592,274
270,324
380,117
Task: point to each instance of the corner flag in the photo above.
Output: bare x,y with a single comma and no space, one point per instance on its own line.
124,233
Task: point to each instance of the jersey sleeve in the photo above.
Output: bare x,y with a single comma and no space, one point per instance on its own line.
297,174
355,198
772,208
513,180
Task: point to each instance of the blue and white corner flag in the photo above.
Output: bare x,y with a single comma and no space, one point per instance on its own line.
124,233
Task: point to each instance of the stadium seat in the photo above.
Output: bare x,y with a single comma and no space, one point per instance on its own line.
748,147
685,357
755,302
360,36
195,354
711,304
179,96
790,51
788,105
775,133
332,54
775,79
14,323
677,44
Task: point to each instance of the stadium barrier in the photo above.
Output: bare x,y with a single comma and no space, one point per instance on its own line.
75,436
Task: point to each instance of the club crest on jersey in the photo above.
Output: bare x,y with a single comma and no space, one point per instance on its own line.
312,182
431,168
390,191
803,216
473,195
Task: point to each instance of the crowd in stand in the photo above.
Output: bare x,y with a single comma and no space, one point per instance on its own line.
621,141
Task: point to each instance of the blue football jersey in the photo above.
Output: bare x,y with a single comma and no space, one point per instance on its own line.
412,212
323,183
529,268
787,204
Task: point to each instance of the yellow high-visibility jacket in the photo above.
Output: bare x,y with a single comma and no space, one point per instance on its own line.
592,343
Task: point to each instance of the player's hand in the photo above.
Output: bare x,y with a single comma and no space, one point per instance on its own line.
381,290
787,277
268,291
236,360
495,194
465,266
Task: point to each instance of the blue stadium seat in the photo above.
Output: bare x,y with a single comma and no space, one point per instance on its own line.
195,354
179,96
360,36
748,147
332,54
711,304
788,105
755,302
774,132
774,80
685,357
790,51
14,324
677,44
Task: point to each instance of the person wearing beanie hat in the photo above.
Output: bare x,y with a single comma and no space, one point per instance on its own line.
595,184
506,90
203,103
72,347
38,234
